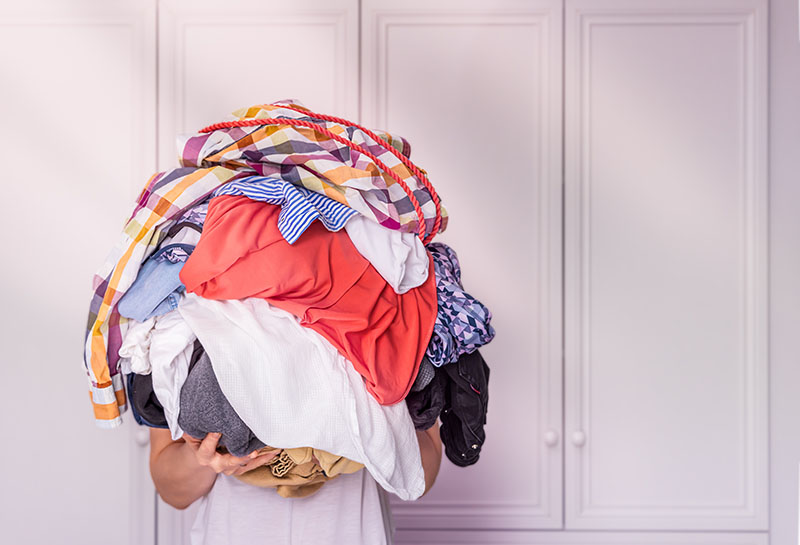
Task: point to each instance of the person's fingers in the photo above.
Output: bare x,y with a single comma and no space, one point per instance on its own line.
221,465
211,440
258,461
239,470
207,450
271,452
267,457
227,463
261,460
231,464
193,442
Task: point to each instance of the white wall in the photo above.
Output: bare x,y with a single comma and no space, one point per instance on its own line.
785,269
77,130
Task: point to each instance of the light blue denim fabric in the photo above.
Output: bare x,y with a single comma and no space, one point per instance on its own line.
157,288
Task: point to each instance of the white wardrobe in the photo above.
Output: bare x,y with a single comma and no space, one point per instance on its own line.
605,167
604,162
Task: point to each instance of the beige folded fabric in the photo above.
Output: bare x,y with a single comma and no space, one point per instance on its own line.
298,472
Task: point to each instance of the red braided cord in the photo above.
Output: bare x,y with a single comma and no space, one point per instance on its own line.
405,160
329,134
336,137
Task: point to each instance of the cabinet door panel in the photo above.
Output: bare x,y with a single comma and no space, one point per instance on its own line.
78,136
214,60
539,537
665,312
476,87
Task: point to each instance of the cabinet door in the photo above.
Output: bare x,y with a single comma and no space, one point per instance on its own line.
665,261
215,59
78,137
476,88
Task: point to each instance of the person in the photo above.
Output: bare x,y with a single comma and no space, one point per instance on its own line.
349,509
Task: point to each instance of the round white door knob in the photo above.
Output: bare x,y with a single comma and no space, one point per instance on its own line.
142,436
578,438
551,438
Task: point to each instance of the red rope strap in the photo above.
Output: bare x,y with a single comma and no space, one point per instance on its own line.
358,148
403,159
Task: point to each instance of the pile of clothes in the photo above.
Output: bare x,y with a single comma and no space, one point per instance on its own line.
276,289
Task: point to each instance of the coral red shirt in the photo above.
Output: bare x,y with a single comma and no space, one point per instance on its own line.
321,279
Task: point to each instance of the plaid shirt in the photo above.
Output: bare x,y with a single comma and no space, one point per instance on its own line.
294,154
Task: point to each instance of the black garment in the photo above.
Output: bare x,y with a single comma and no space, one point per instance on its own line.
424,375
459,395
147,411
427,404
205,409
464,413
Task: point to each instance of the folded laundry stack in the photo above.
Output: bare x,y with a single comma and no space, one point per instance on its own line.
281,288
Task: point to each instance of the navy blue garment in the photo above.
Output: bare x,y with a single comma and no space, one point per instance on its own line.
147,411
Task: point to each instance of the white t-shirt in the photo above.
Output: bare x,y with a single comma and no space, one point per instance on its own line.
349,509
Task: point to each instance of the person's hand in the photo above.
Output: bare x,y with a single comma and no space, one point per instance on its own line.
206,451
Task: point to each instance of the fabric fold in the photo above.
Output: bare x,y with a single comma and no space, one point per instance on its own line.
321,279
293,389
299,472
299,156
463,324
